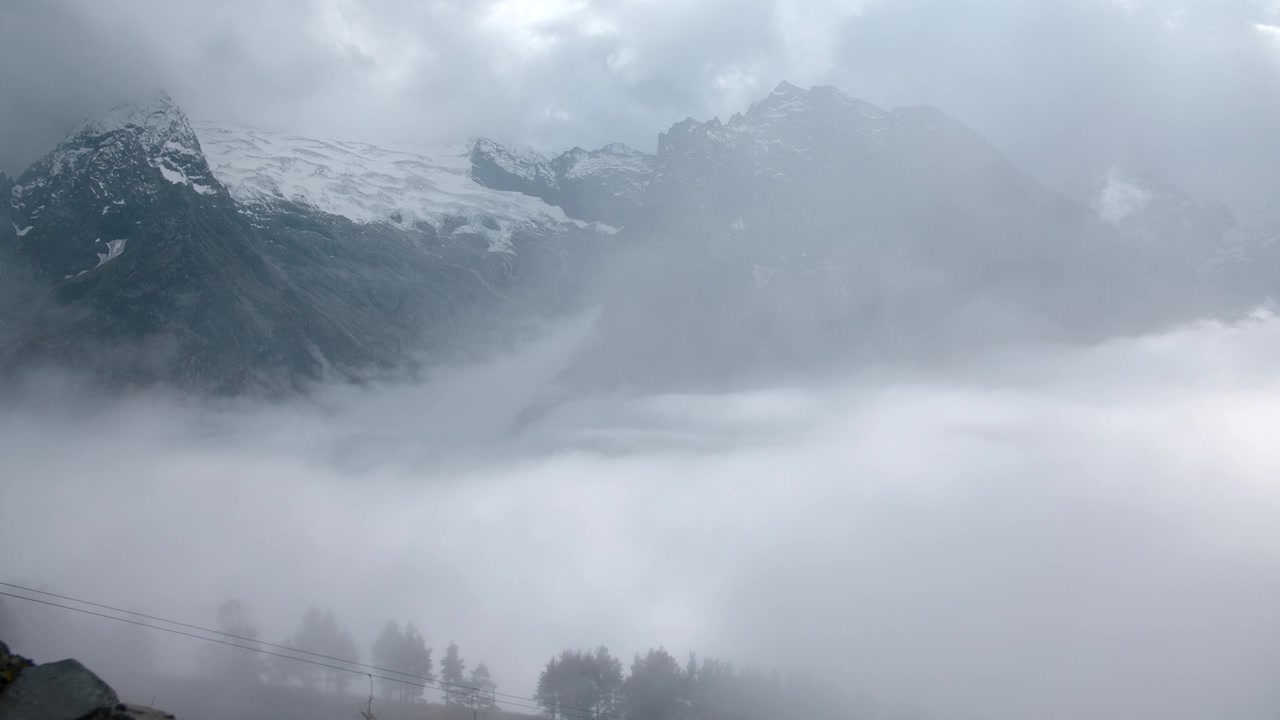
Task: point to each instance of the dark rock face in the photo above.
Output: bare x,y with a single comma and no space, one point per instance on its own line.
818,229
605,185
6,225
499,167
102,183
131,261
813,228
63,690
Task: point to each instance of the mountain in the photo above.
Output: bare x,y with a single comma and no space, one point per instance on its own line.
137,263
813,231
1155,213
606,185
816,230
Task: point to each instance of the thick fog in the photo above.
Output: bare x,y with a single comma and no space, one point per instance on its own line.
1053,532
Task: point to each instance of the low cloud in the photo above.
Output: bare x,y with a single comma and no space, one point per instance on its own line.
1121,198
1052,532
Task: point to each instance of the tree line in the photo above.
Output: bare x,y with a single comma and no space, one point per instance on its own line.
591,685
401,650
573,685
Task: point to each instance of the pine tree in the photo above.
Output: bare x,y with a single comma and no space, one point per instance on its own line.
240,664
320,633
388,652
485,687
416,658
451,672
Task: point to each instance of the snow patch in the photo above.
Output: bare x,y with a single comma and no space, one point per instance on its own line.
179,148
596,226
366,183
174,176
22,231
114,249
499,239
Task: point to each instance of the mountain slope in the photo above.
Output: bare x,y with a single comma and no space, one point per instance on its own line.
605,185
139,265
813,231
816,230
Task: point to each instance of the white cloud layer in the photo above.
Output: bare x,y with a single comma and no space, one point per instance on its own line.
1053,533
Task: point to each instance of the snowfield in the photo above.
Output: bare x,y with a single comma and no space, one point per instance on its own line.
365,183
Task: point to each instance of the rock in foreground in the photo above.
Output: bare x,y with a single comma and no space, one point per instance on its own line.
63,690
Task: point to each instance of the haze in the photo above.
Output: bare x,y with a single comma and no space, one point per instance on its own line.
1072,515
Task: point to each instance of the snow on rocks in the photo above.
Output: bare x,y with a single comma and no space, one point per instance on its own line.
114,249
372,184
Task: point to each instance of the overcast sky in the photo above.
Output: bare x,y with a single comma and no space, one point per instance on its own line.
1066,87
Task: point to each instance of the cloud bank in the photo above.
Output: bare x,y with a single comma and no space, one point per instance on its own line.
1052,532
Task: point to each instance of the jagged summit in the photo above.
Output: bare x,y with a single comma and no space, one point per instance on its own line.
784,93
788,99
75,209
785,118
604,185
156,120
154,130
786,88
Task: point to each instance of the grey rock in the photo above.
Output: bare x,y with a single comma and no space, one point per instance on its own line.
138,712
63,690
132,263
605,185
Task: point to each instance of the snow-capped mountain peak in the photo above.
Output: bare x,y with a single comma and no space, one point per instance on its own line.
103,182
614,157
156,122
155,131
524,163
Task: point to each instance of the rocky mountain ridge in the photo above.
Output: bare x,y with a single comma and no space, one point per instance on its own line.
811,227
132,261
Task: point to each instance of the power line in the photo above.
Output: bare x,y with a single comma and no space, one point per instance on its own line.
439,684
431,683
217,632
275,654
